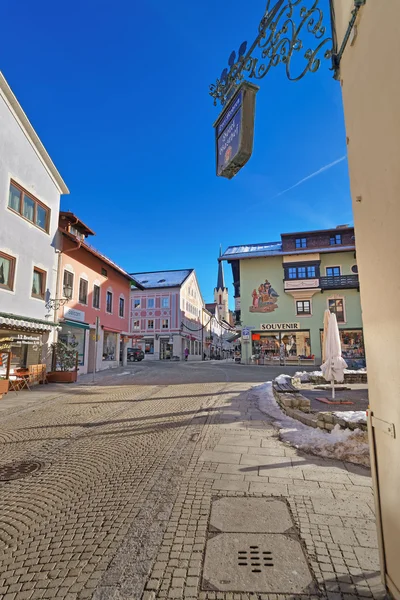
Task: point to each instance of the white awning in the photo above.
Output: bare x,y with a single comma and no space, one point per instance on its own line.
26,325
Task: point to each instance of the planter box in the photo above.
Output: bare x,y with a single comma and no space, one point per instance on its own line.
62,376
4,383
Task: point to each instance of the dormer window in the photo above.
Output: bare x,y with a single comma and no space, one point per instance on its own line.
301,242
335,240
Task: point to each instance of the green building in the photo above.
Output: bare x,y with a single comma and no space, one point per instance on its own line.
282,290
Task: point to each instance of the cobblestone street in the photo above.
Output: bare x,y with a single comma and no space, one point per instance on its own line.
128,470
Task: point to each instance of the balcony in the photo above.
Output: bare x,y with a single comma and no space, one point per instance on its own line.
301,284
340,282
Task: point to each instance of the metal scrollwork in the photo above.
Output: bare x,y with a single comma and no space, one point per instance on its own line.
284,34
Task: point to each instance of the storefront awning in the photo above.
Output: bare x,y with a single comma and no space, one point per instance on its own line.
75,324
10,321
111,329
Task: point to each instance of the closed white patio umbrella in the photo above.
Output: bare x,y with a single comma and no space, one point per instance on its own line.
334,365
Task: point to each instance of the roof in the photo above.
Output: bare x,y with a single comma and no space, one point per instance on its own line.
256,251
162,279
8,95
211,307
76,221
337,229
102,257
220,279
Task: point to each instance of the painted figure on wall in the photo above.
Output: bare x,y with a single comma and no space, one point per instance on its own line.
264,299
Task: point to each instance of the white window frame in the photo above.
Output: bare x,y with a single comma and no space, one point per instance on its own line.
151,300
150,328
83,277
303,314
162,302
162,325
133,324
139,305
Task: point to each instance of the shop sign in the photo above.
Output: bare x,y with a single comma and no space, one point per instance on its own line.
280,326
29,340
5,344
234,131
73,314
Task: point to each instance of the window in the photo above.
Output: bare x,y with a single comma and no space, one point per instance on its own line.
136,324
333,271
354,269
150,324
150,302
38,283
109,299
121,307
337,306
149,346
335,239
110,344
301,242
96,296
292,273
28,207
311,272
136,303
165,324
165,302
301,273
68,284
83,291
303,307
104,272
7,270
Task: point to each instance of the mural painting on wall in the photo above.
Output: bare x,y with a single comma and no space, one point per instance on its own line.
265,298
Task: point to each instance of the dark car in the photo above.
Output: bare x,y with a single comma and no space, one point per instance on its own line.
135,354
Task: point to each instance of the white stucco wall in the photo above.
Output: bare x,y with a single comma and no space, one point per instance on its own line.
19,238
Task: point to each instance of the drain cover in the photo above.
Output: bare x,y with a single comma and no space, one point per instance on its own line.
267,563
18,470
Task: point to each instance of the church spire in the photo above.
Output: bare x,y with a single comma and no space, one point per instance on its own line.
221,278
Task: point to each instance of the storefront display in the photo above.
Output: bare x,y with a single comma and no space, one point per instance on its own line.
352,342
149,346
110,346
281,345
74,334
25,349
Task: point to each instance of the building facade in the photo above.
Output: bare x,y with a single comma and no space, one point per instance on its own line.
283,288
370,87
30,189
167,315
96,314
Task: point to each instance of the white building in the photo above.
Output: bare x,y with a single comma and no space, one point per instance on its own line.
30,189
167,315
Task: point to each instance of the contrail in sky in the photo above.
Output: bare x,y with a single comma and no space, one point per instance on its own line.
321,170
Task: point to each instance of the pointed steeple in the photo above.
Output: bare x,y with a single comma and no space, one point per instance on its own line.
221,278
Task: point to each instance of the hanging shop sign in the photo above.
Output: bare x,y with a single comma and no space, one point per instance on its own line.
234,131
29,340
5,344
280,326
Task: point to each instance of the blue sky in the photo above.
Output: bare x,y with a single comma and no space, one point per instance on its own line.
118,93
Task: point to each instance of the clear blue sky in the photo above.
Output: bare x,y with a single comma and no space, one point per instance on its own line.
118,93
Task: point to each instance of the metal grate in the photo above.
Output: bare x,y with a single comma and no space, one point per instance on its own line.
18,470
255,558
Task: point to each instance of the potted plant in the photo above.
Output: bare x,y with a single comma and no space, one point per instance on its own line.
65,362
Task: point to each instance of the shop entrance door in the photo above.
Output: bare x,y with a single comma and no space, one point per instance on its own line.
165,350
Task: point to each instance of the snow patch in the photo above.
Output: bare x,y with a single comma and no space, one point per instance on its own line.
283,378
342,444
352,416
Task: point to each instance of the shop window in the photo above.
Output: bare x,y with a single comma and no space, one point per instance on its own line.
282,345
7,271
38,283
337,306
165,302
150,302
165,324
28,207
335,239
110,346
83,291
121,307
333,271
303,307
301,242
109,302
150,324
96,296
136,303
149,347
136,324
68,284
74,335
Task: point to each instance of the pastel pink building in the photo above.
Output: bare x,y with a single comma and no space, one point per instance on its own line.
98,293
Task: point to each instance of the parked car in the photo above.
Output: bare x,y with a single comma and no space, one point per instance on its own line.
135,354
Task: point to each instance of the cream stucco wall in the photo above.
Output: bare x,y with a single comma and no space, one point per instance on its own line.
371,96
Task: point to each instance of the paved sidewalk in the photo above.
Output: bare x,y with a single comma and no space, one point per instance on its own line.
331,503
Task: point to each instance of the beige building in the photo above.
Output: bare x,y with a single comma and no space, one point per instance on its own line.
369,75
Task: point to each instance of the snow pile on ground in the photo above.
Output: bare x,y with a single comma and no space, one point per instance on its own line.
352,416
283,379
342,444
304,376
